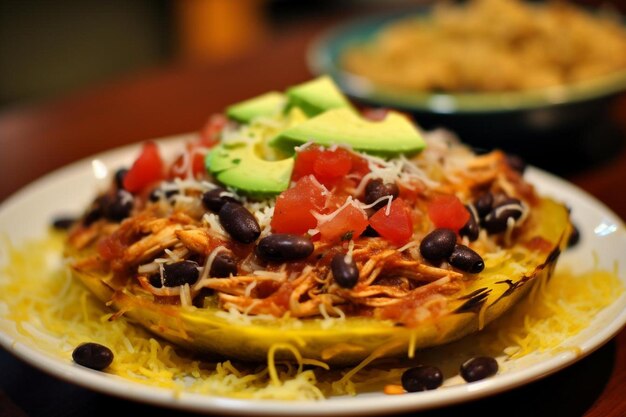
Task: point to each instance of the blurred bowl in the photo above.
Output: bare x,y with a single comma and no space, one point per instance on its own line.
523,122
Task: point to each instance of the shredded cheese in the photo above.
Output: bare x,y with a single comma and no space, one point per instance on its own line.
215,227
557,308
348,258
273,275
325,218
55,313
409,245
185,296
206,269
249,288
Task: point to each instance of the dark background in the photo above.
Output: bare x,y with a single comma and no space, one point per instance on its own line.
48,48
52,48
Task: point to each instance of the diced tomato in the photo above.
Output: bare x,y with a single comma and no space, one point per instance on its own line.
147,169
198,167
448,211
343,188
179,168
331,166
347,224
292,213
210,133
410,190
360,167
396,227
334,201
305,160
326,165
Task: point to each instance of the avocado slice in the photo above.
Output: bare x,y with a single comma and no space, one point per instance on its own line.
241,166
317,96
247,162
267,104
394,135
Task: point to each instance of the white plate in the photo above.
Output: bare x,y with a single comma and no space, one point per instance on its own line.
27,214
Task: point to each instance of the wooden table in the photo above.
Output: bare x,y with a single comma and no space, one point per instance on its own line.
39,138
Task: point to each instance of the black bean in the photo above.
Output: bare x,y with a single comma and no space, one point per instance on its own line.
92,216
516,163
346,274
284,247
376,189
438,244
105,206
370,232
422,378
479,368
223,266
466,260
239,222
155,280
180,273
503,200
497,220
574,238
120,174
157,193
214,199
94,213
484,204
198,300
117,207
93,356
471,228
63,222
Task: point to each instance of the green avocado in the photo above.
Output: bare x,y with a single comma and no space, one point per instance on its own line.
394,135
242,166
317,96
257,166
267,104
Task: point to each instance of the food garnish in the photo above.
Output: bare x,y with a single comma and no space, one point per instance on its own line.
93,355
475,369
459,238
329,271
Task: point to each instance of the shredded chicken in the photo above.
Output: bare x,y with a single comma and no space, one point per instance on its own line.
393,282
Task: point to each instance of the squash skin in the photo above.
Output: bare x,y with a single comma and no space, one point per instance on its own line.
484,299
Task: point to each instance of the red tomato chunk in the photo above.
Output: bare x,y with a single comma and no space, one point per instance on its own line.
331,166
448,211
211,131
305,160
347,224
292,213
360,167
396,227
327,166
146,170
179,168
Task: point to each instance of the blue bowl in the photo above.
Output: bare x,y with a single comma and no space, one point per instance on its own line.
521,122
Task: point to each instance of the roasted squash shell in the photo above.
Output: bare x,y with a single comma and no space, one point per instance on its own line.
483,299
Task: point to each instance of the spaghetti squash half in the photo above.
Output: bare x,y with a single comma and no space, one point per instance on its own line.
360,256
